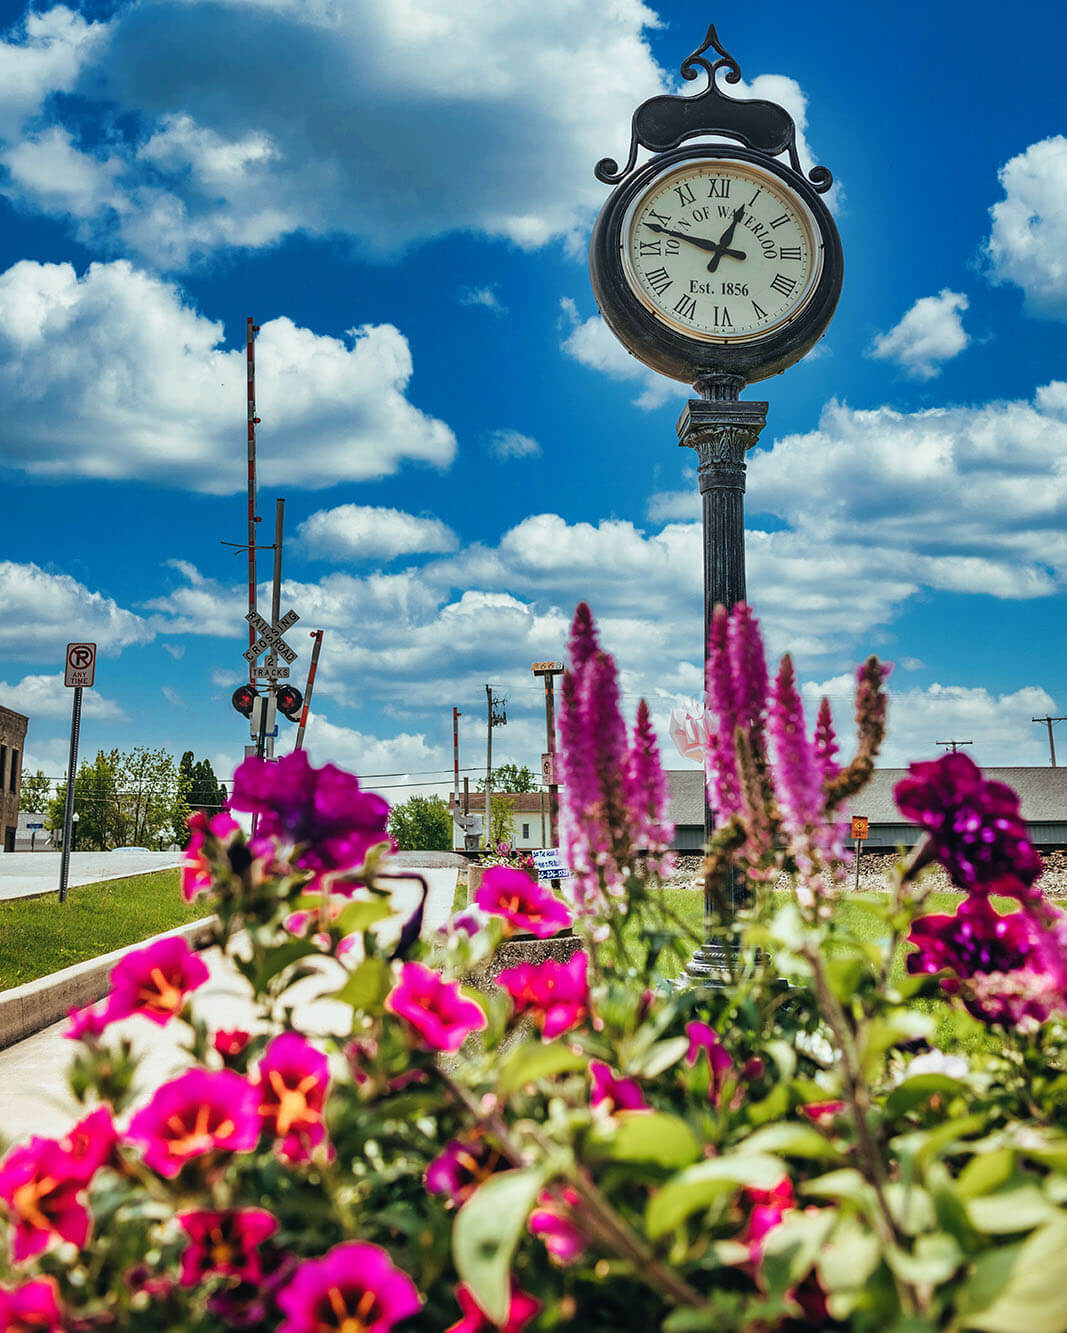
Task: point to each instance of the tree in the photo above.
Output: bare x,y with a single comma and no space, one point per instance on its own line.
501,819
148,789
511,778
197,789
35,790
421,824
96,802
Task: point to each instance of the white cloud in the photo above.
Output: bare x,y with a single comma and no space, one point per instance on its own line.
46,696
43,612
504,444
364,532
592,344
483,296
929,334
202,605
176,650
113,375
46,54
173,697
1027,243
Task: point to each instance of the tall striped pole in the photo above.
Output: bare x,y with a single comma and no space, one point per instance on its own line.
253,421
316,634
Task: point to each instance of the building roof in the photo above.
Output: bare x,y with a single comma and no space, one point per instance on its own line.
1042,794
17,722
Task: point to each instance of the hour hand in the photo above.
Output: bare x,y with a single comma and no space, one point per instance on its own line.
698,241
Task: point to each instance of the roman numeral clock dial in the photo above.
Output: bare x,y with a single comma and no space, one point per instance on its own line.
720,251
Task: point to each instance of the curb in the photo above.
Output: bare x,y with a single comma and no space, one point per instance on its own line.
26,1009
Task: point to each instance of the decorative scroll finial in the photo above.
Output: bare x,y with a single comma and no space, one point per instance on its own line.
664,122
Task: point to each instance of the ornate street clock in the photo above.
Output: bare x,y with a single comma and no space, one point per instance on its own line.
715,259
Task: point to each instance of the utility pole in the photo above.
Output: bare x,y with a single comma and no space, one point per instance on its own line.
548,760
954,745
275,616
456,715
1048,721
253,421
496,717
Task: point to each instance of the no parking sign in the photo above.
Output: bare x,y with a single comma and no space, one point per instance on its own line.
80,664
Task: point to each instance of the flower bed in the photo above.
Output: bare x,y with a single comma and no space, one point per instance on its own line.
585,1144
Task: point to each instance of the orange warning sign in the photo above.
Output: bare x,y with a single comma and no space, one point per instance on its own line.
859,827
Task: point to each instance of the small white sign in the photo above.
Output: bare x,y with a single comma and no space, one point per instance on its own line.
80,664
548,864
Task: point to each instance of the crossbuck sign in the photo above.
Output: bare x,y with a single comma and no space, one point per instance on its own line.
270,641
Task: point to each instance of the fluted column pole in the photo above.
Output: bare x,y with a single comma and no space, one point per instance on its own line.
721,430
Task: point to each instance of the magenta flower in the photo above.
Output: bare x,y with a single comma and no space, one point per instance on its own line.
42,1185
354,1288
199,1112
154,981
91,1142
768,1209
197,876
1006,969
705,1040
521,1309
224,1242
645,790
555,995
553,1221
434,1008
736,679
797,771
826,742
523,904
31,1308
460,1168
89,1021
583,643
231,1041
973,826
612,1092
292,1080
320,811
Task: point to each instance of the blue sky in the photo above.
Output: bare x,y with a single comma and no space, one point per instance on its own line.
401,196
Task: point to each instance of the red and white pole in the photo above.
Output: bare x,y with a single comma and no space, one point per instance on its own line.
253,421
316,634
456,715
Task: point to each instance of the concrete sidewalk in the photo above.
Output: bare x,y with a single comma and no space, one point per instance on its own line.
31,874
34,1098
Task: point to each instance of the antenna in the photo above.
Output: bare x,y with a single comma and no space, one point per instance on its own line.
954,745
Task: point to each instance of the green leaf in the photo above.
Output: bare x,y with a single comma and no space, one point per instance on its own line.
660,1057
533,1061
986,1172
920,1088
849,1260
845,1185
699,1186
1018,1209
845,976
486,1232
649,1136
924,1145
360,915
791,1248
1020,1289
366,986
279,959
933,1261
792,1138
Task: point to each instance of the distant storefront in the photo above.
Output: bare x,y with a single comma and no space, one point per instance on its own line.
12,746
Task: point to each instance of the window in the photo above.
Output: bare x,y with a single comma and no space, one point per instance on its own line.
14,769
3,765
525,830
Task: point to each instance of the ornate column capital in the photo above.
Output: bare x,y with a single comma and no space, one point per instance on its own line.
721,433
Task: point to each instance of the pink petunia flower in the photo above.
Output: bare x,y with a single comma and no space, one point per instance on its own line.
434,1008
33,1306
196,1113
42,1185
224,1242
768,1209
353,1288
89,1021
705,1040
321,811
523,904
231,1041
91,1142
521,1309
154,981
553,1221
612,1092
197,874
292,1079
460,1168
555,995
822,1113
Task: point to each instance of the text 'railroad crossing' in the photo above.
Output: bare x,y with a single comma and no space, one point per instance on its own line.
271,641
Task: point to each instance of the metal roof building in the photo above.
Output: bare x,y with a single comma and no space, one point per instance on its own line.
1042,794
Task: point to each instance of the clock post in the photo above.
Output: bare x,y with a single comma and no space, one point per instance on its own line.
719,265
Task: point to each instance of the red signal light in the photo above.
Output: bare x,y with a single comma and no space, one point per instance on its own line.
289,701
244,697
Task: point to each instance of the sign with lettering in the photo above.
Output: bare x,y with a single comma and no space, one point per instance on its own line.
80,664
860,825
548,864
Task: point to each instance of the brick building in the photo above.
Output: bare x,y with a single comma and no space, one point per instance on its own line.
12,745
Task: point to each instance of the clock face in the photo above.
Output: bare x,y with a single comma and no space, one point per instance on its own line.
721,251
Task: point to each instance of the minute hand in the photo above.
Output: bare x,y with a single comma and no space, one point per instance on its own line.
698,241
724,240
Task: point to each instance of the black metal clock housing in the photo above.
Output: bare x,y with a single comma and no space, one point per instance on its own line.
712,260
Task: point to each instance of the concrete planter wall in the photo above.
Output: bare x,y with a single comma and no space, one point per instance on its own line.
475,874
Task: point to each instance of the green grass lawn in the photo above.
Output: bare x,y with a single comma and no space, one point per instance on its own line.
42,935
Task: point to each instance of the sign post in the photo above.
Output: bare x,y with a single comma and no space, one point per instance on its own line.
550,670
860,826
79,672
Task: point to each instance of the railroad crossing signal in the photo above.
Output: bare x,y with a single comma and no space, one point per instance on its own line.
270,641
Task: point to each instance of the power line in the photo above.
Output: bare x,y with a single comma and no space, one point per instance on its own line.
1049,722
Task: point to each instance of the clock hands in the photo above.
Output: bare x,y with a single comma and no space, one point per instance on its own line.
716,246
720,246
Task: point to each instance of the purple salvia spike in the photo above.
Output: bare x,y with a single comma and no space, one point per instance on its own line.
826,741
645,790
605,734
579,786
723,786
797,777
583,641
748,668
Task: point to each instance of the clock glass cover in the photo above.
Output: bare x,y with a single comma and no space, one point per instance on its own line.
721,251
